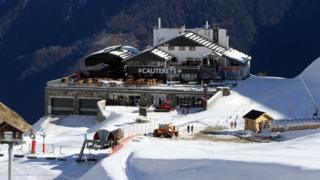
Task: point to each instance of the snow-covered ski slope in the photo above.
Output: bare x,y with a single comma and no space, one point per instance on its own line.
152,158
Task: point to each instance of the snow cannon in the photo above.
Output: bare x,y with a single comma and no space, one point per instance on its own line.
166,131
108,137
103,139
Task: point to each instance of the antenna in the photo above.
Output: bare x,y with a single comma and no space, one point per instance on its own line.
207,24
159,23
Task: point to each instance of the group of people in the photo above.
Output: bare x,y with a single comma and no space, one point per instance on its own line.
190,129
233,124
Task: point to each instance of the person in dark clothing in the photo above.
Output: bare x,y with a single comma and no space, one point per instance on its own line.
188,128
192,129
235,124
231,124
316,113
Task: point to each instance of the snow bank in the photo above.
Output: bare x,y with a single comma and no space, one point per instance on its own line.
281,98
41,123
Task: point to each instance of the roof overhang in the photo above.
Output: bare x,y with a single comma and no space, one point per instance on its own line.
214,47
11,118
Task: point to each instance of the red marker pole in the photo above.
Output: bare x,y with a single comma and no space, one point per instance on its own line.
33,148
33,144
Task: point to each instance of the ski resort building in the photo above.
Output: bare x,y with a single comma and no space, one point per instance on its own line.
177,68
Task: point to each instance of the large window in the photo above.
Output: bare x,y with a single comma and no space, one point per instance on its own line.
193,62
171,48
192,48
181,48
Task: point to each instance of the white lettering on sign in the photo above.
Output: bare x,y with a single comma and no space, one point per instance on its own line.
159,71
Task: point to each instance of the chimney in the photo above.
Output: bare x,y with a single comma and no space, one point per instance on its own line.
159,23
183,28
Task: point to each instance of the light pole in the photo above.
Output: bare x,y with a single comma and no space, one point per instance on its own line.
10,160
8,138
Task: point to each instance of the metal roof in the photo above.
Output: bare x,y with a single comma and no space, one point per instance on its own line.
118,53
152,51
162,54
216,48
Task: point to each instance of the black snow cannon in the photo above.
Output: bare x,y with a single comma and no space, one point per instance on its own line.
108,137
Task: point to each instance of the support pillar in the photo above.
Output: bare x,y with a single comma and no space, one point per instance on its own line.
76,107
10,160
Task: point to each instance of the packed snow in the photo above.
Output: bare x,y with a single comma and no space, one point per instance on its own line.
294,156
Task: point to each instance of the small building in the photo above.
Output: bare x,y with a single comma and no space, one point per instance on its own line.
257,120
12,126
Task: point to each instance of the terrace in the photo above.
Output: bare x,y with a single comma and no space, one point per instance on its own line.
129,84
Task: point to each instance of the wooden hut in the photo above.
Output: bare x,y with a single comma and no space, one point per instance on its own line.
257,120
12,126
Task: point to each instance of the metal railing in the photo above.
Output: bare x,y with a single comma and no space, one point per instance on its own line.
58,83
296,124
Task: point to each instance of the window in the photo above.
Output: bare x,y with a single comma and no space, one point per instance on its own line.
192,48
181,48
193,62
189,77
8,136
171,48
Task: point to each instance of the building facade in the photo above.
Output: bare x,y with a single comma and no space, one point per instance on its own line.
75,99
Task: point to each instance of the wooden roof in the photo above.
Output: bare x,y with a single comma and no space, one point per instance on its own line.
10,117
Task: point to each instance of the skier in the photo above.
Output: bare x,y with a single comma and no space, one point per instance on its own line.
235,124
192,129
188,128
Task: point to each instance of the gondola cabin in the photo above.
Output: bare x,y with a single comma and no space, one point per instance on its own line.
12,126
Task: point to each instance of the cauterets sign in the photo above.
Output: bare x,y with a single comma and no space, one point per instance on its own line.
159,71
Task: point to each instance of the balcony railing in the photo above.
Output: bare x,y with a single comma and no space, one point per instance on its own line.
174,87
